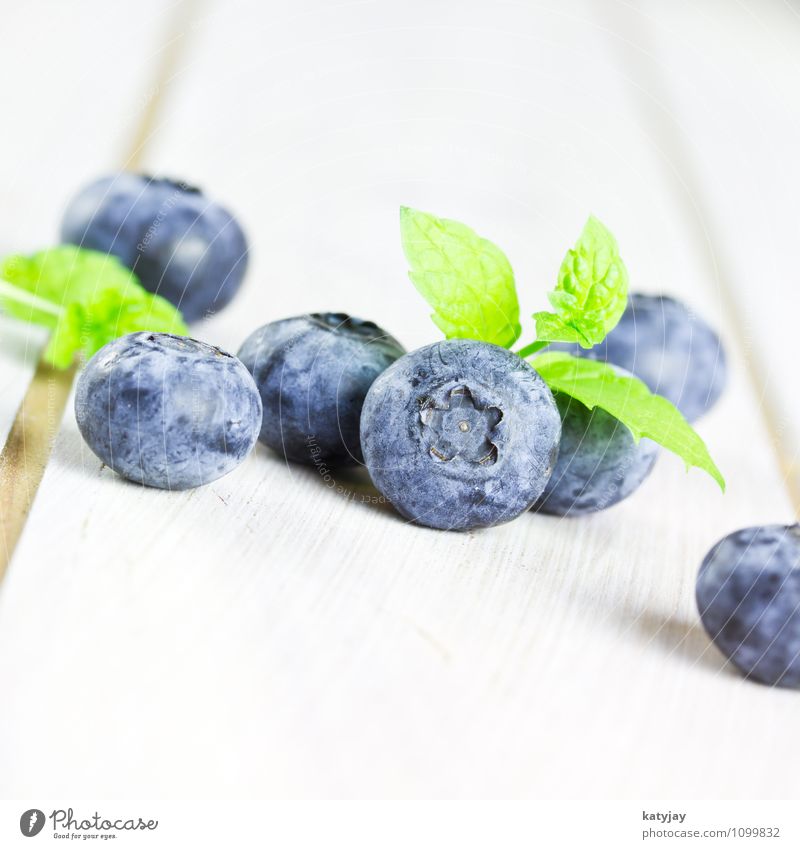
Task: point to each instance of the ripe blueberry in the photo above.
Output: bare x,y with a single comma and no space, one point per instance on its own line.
460,434
180,244
167,411
313,373
748,595
598,465
668,347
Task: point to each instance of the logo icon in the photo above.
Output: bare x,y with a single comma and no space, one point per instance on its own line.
31,822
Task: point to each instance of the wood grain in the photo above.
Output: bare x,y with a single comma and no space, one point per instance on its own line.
27,450
24,456
710,117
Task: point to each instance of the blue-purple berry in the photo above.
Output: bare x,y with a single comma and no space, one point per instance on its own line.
167,411
179,243
748,595
460,434
313,373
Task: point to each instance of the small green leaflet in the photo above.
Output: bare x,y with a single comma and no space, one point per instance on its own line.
64,274
466,279
591,293
597,384
86,298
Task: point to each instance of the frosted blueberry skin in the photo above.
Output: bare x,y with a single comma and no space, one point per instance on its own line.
179,244
668,347
460,434
748,595
167,411
598,465
313,373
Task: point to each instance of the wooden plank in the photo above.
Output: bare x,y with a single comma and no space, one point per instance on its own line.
26,451
61,128
729,130
268,635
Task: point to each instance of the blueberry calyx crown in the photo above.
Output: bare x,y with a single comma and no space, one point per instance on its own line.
169,182
176,342
460,427
358,330
343,323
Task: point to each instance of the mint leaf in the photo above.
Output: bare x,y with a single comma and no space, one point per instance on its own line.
597,384
591,293
87,326
466,279
64,274
87,299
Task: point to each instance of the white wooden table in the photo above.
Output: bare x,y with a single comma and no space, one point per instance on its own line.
265,635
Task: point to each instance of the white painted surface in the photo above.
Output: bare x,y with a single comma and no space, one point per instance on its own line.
268,635
718,83
75,84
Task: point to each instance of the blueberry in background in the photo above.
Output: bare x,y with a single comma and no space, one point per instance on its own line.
313,373
460,434
180,244
748,595
599,463
671,349
167,411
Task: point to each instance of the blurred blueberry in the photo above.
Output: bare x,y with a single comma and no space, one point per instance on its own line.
599,463
670,348
167,411
179,243
313,373
460,434
748,595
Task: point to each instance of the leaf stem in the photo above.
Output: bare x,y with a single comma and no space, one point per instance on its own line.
10,292
530,350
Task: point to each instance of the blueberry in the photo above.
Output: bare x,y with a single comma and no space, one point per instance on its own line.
748,594
180,244
460,434
668,347
313,373
167,411
598,464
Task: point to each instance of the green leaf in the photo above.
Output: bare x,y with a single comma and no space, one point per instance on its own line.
86,327
591,293
64,274
597,384
86,298
466,279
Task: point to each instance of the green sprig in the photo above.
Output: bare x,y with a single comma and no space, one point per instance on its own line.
466,279
592,291
84,297
598,384
470,285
